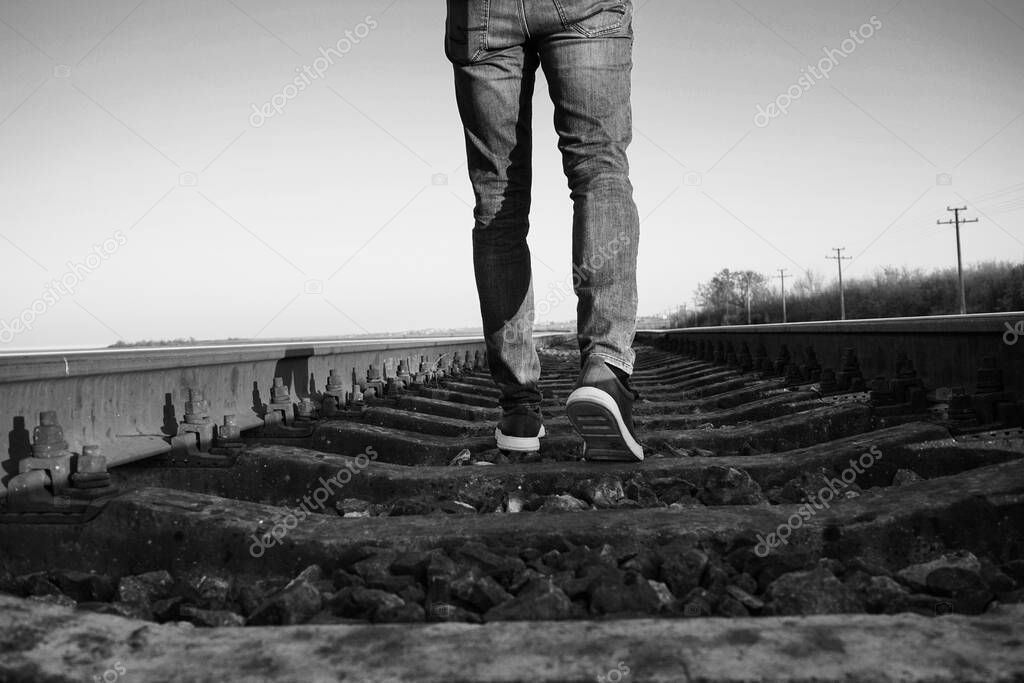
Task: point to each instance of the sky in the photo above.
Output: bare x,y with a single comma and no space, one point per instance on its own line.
145,193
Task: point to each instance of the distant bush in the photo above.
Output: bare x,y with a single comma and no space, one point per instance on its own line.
889,293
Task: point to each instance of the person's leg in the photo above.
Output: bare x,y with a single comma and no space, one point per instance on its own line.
588,64
494,81
588,67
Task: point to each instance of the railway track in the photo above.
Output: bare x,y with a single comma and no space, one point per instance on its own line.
854,511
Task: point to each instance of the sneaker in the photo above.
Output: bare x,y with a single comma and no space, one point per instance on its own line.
520,429
601,410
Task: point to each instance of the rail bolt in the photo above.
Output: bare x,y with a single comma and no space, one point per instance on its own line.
793,375
374,387
849,376
907,387
880,391
91,471
428,370
730,355
373,374
989,377
961,410
745,360
905,367
197,408
441,367
306,409
50,452
355,397
828,381
760,353
783,361
280,408
812,368
90,461
992,395
48,437
334,382
719,355
229,431
403,371
280,393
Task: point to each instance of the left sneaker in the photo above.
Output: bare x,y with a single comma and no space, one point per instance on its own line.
601,410
520,429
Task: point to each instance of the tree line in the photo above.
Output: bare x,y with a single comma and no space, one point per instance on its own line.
890,292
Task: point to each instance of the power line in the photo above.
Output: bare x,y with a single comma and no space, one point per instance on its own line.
839,258
991,196
1007,207
957,221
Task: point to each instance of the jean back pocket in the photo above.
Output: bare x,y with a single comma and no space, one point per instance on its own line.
593,18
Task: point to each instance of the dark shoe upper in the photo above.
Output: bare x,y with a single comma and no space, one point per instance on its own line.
598,374
520,421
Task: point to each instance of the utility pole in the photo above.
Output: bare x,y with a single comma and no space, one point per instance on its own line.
957,221
782,276
839,258
747,282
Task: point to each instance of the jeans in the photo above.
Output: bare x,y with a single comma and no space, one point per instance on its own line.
585,48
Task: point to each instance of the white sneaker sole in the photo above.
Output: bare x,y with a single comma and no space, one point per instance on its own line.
519,443
596,417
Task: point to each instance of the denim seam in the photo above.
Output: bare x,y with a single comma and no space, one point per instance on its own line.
486,29
522,19
561,14
614,360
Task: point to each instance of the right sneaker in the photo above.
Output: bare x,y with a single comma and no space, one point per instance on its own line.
520,429
601,410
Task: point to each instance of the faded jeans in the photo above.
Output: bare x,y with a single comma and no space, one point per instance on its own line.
585,48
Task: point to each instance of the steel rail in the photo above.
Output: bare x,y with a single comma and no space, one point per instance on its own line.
130,401
946,351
